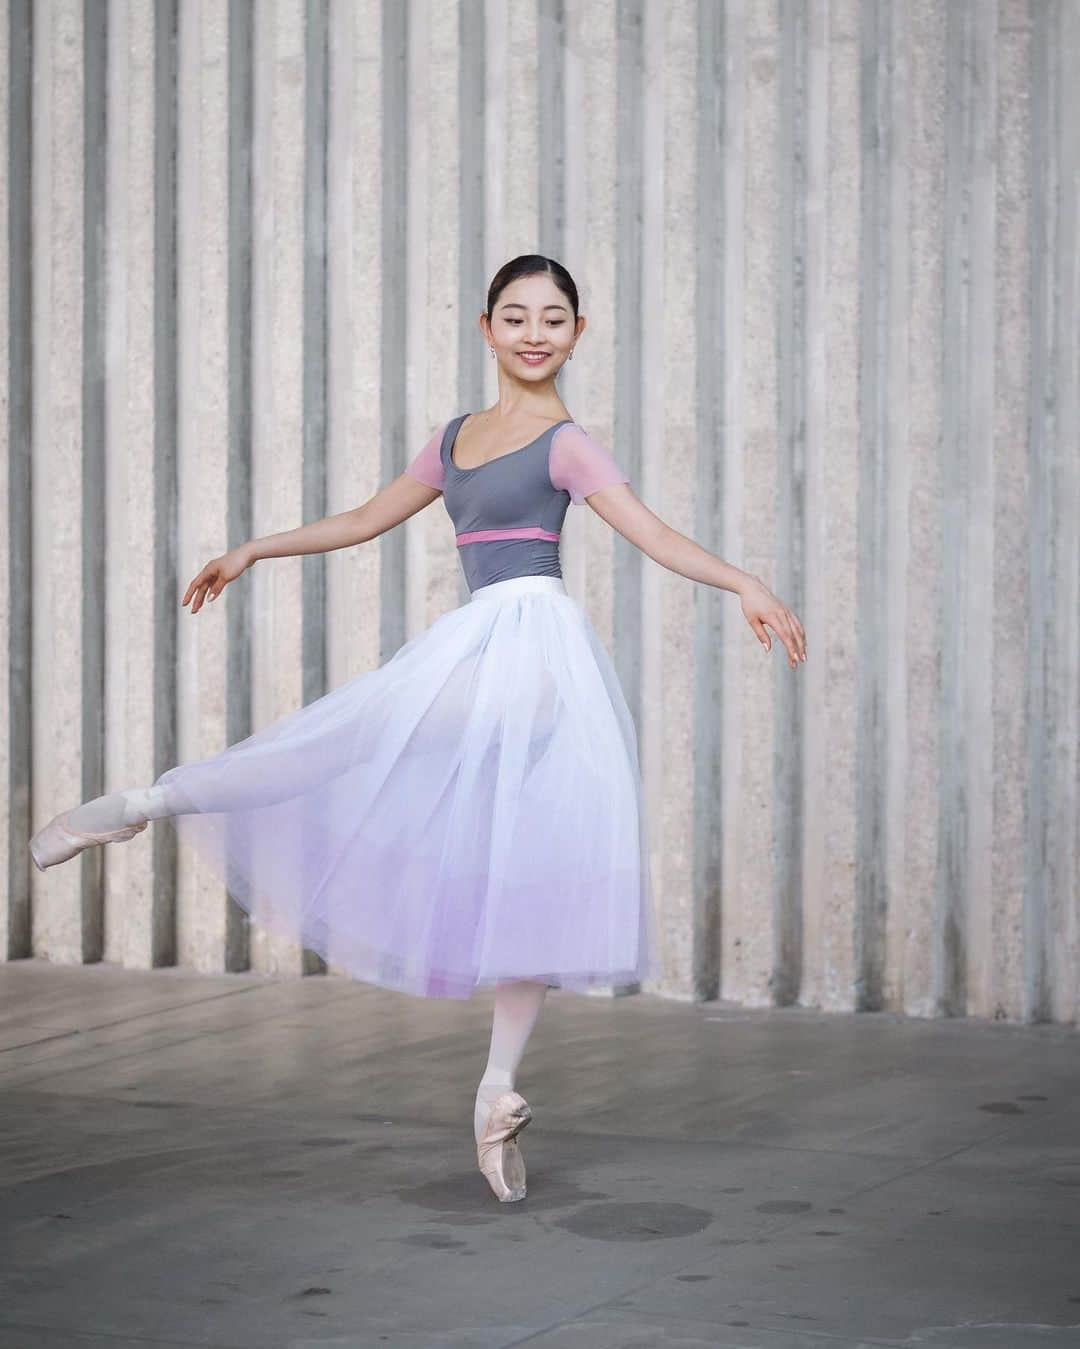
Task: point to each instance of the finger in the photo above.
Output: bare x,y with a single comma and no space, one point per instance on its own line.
790,640
763,636
778,621
198,583
796,638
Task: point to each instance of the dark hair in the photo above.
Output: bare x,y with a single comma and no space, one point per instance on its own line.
531,264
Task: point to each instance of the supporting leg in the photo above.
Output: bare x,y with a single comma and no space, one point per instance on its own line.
517,1006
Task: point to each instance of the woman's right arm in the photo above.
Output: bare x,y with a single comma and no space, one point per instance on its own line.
389,506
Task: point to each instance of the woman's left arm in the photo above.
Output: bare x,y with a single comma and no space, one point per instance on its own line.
625,512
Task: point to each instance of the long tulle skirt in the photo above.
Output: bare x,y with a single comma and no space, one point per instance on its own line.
467,813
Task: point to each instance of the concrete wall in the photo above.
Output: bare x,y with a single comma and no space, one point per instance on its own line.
828,252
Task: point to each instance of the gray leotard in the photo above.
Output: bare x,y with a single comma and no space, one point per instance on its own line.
508,512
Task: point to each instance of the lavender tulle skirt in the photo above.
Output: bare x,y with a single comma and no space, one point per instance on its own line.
467,813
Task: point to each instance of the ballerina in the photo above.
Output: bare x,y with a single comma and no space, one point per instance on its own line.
470,813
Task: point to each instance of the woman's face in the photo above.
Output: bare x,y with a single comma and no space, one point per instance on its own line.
532,328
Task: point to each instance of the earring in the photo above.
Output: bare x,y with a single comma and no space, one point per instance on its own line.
571,356
492,350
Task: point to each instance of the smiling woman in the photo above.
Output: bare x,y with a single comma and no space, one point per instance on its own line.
471,813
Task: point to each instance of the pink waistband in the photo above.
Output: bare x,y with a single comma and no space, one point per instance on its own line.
525,532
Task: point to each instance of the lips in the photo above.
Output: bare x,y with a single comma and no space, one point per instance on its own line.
534,357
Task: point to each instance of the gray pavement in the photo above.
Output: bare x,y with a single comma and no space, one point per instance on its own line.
246,1162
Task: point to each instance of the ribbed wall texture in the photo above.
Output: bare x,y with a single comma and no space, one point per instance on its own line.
828,253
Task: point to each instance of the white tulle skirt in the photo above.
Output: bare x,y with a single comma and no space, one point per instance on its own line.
467,813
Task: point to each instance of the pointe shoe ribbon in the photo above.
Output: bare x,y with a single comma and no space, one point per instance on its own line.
497,1153
58,841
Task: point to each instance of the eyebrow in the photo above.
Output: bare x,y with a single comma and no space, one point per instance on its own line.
515,305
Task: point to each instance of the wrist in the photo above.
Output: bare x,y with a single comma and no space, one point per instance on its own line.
744,582
250,552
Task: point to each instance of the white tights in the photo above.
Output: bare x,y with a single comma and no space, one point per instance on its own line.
517,1005
116,809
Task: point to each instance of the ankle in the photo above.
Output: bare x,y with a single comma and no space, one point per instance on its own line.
496,1082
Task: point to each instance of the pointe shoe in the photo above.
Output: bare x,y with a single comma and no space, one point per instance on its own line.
57,841
498,1153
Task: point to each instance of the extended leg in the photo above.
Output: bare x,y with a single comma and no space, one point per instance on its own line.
517,1006
278,768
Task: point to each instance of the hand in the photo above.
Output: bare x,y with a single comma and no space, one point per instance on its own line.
216,575
761,606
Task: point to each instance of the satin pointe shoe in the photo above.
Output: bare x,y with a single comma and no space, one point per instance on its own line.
57,841
498,1153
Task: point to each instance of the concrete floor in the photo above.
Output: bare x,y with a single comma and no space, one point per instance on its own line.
246,1162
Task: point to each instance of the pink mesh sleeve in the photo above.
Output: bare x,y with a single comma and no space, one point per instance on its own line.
579,464
426,466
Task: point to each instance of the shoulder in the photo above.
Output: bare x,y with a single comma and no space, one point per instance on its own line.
427,463
580,464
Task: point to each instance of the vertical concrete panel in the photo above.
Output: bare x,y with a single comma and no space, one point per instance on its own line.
1011,503
342,456
130,427
727,478
1065,967
277,380
438,397
165,553
674,131
587,541
831,159
922,630
474,173
314,505
749,941
57,669
496,76
629,353
353,461
551,34
891,655
92,473
963,881
877,304
526,181
575,387
16,433
239,76
835,475
365,368
314,497
1040,878
1050,919
634,66
695,933
638,645
394,151
980,673
210,931
792,90
407,318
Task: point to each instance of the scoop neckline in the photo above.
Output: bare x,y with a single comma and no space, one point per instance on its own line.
563,421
